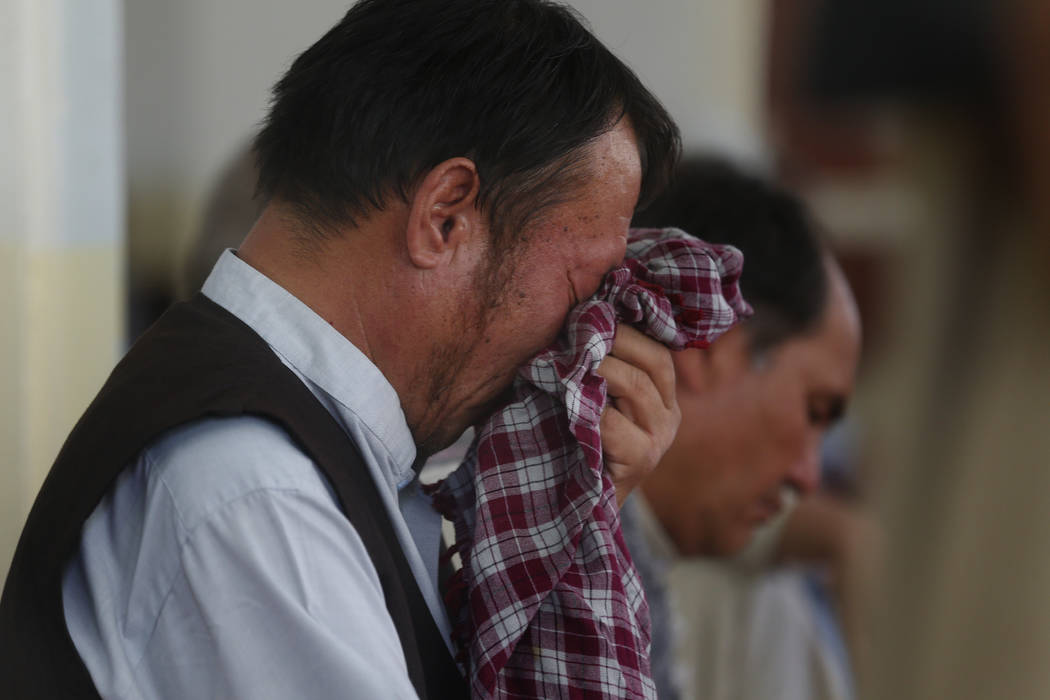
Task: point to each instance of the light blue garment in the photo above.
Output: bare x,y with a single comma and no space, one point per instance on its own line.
220,565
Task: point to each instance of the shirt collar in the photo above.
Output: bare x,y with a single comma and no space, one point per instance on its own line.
359,393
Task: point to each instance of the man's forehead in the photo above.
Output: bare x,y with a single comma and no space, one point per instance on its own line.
618,149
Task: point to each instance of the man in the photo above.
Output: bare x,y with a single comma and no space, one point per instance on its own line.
756,404
758,401
445,180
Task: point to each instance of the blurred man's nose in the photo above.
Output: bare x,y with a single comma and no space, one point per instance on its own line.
804,475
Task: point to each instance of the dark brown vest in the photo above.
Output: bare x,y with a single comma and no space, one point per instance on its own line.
197,361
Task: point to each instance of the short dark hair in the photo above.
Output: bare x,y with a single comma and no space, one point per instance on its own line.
785,278
398,86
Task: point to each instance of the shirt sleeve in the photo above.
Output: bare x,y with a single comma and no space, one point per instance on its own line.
276,598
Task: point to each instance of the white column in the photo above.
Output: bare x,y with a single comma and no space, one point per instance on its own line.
62,203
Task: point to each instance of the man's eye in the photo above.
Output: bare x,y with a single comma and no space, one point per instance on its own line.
818,417
823,413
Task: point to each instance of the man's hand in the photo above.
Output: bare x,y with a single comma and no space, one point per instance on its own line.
845,538
642,415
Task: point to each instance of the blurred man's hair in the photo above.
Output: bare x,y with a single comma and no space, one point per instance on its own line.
398,86
784,276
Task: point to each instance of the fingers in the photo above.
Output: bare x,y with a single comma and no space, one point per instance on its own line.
624,445
624,442
642,416
649,357
630,452
639,374
633,392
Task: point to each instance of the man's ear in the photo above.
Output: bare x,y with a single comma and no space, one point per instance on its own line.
691,370
699,370
443,214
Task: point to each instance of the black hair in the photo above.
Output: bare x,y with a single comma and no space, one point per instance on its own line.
398,86
785,278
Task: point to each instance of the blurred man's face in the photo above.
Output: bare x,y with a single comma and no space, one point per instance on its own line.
751,426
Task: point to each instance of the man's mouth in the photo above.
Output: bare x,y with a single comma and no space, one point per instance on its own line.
764,509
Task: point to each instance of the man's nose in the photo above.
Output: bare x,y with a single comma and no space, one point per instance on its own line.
804,475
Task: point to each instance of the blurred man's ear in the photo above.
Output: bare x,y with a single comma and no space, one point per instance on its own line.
700,370
691,370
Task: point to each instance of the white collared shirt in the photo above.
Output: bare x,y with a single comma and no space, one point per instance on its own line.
220,564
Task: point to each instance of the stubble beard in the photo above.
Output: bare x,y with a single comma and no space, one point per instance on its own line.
447,367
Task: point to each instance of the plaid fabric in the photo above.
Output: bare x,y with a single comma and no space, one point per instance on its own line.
548,603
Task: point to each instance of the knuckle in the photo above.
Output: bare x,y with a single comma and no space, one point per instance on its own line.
637,380
676,418
653,455
663,361
665,370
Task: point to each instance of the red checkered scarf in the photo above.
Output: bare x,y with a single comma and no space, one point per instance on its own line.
548,603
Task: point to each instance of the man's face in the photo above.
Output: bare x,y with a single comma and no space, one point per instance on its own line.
754,429
567,252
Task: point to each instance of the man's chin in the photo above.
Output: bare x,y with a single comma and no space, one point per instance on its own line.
482,413
731,542
453,430
734,546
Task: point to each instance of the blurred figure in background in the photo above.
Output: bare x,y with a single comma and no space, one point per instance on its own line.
755,406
